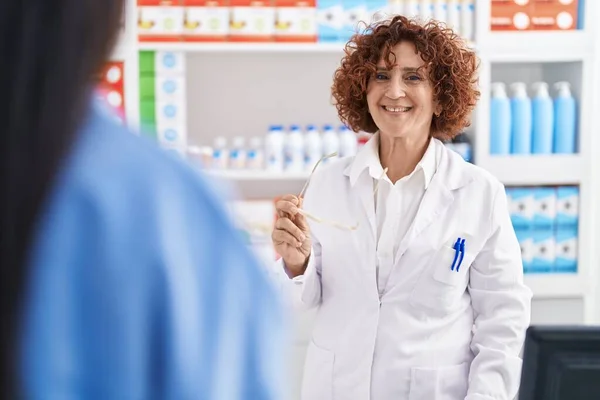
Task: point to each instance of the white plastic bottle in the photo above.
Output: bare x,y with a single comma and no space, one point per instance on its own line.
313,147
237,153
274,148
454,11
426,8
467,19
294,150
348,142
440,10
255,154
396,7
412,9
220,155
331,143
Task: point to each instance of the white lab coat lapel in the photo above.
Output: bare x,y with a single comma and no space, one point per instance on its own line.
363,189
361,181
438,198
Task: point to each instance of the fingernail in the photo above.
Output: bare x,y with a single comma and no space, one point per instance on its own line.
298,244
302,238
295,210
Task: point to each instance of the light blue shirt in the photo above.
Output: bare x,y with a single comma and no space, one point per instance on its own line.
139,288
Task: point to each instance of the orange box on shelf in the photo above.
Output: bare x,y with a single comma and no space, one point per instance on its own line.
251,21
534,15
509,16
554,16
160,20
205,20
295,20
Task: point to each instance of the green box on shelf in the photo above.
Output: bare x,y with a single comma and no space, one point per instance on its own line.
148,111
147,86
147,62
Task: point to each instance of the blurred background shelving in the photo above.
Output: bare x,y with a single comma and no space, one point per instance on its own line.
240,88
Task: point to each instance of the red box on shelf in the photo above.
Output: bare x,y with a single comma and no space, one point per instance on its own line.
295,21
111,88
205,20
252,21
160,20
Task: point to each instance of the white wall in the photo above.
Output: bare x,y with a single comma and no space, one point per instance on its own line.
242,94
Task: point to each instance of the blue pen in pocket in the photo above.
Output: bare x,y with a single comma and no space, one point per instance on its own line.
456,248
459,251
462,253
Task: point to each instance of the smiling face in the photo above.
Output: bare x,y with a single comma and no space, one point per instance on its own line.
401,99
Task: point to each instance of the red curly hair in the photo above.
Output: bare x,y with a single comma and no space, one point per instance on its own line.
451,65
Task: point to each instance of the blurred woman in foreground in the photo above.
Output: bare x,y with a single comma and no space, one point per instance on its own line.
121,277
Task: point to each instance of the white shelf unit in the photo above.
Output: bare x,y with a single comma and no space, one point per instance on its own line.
236,48
536,46
538,170
258,185
241,88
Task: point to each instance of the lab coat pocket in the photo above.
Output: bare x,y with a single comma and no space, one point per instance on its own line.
441,383
317,383
443,282
451,268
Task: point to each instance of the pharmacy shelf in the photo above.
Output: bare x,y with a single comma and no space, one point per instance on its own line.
556,285
260,185
231,47
536,46
245,47
535,170
513,170
259,175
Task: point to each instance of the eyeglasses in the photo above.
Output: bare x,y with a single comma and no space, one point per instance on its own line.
335,224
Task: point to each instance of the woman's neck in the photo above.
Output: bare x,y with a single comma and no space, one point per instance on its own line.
401,155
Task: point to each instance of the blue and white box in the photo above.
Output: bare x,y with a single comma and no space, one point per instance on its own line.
171,123
377,10
521,204
566,250
330,20
172,135
170,87
355,12
525,238
567,206
544,247
169,62
545,207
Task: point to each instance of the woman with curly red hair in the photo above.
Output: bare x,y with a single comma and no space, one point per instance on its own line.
410,255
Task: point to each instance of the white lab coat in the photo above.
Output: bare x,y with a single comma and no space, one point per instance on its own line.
435,334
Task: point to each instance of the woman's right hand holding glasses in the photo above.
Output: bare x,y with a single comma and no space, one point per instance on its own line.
291,235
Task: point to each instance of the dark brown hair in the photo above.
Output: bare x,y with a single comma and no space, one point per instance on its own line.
451,65
51,50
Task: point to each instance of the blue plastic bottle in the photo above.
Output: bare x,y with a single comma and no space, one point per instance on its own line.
542,114
520,110
565,127
500,120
